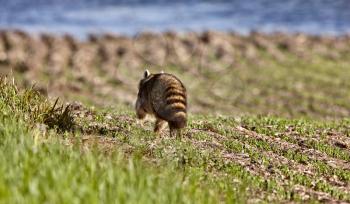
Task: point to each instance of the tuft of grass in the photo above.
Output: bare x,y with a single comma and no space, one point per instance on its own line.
30,105
59,117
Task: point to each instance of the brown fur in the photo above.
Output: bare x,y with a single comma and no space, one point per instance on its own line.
164,96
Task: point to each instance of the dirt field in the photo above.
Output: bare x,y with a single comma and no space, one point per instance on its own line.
276,74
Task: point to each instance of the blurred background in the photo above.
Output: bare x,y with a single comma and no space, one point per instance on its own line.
286,58
129,17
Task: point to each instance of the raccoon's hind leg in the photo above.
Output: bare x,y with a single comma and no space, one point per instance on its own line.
174,131
178,133
159,125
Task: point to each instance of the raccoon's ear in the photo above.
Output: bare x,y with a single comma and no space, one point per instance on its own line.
146,74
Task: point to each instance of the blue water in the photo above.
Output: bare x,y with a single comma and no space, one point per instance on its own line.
80,17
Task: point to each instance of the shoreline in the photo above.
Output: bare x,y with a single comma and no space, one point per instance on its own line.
85,36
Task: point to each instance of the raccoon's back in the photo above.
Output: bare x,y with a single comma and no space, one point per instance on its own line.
169,99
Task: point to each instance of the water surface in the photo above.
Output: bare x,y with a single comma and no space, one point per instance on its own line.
80,17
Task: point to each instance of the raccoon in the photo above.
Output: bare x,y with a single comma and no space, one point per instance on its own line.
164,96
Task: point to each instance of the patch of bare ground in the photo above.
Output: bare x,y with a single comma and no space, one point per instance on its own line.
272,170
284,146
330,137
310,153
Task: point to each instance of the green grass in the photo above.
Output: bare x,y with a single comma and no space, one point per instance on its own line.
105,156
51,172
